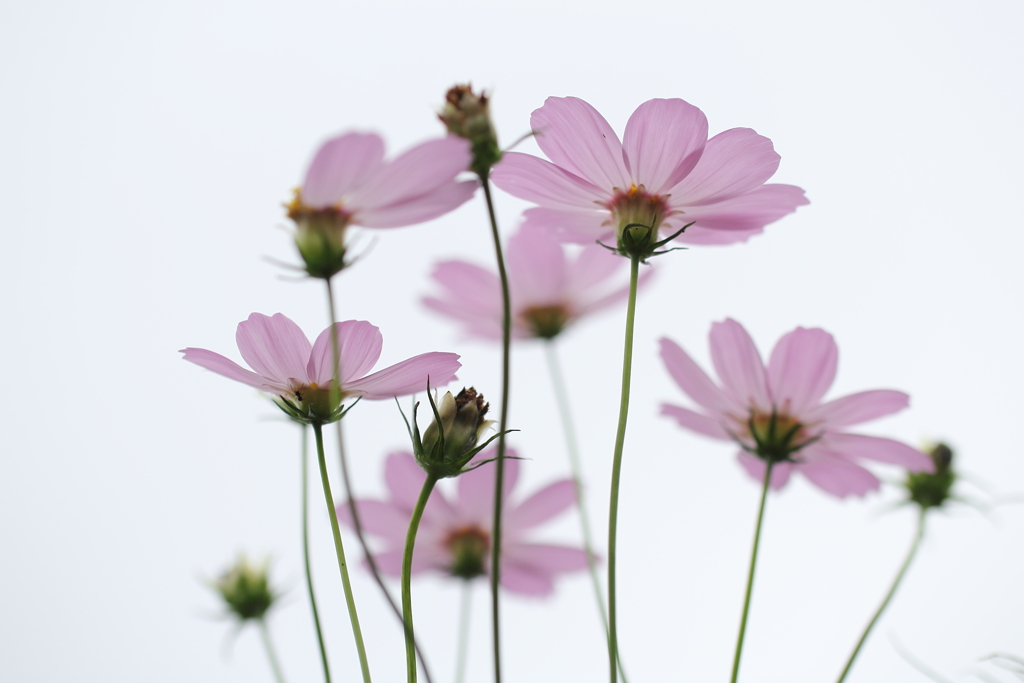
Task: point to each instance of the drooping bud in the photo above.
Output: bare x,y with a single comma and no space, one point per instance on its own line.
468,115
932,489
246,590
319,237
452,438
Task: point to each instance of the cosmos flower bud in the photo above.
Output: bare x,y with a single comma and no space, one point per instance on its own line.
319,237
932,489
246,590
468,115
452,438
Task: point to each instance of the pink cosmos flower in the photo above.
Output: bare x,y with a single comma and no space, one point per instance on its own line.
287,365
666,173
548,289
454,535
777,412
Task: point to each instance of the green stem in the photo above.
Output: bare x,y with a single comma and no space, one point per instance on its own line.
888,596
499,470
346,481
750,575
572,446
464,615
305,552
410,543
620,440
340,549
271,655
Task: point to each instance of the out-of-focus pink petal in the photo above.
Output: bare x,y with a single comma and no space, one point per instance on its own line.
542,506
340,166
594,265
702,424
274,346
525,580
536,266
425,207
755,468
545,557
576,137
747,212
734,162
582,226
663,142
839,477
407,377
414,173
536,180
390,561
709,236
739,366
801,369
476,325
693,381
404,479
380,518
857,408
858,446
359,343
476,487
470,287
616,297
225,366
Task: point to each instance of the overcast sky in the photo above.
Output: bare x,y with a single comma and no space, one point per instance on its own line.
145,151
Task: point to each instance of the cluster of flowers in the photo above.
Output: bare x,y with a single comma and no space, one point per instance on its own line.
626,201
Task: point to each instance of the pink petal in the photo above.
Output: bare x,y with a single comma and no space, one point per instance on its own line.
801,369
545,557
407,377
382,519
695,234
839,477
550,501
755,468
749,211
404,479
857,408
582,226
702,424
663,142
526,580
226,367
415,173
858,446
536,268
469,287
359,344
476,324
341,165
618,296
591,268
425,207
476,488
576,137
734,162
739,366
539,181
390,561
275,347
693,381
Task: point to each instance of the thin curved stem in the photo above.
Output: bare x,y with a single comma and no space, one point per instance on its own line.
271,654
305,553
465,612
499,470
350,600
750,575
888,596
410,544
620,440
572,446
353,509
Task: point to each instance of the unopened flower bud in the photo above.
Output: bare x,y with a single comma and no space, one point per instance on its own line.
932,489
468,115
319,237
452,438
245,589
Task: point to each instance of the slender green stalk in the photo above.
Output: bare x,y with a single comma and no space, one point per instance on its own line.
346,481
750,575
572,446
888,596
340,549
271,655
305,552
499,470
465,605
620,440
410,543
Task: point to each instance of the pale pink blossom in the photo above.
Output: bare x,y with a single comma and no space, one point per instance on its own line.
665,174
455,532
549,289
286,365
778,409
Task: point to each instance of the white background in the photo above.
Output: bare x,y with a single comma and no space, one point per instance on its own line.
145,152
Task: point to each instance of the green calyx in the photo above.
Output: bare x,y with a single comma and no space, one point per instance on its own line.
314,405
933,489
245,589
469,548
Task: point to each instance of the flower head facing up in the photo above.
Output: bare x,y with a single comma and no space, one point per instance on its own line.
664,175
450,442
468,115
933,489
245,589
549,289
301,375
349,183
776,413
455,532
